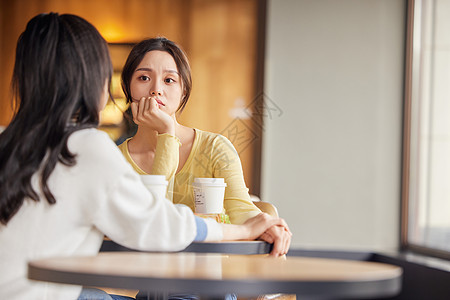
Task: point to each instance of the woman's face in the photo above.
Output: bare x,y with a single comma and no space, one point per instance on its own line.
157,76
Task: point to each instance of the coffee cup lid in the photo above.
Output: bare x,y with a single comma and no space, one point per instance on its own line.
219,182
154,179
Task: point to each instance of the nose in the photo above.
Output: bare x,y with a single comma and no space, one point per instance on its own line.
155,90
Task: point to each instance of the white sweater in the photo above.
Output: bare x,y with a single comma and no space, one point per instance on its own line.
100,195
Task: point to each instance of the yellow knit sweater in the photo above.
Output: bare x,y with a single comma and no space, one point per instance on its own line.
212,155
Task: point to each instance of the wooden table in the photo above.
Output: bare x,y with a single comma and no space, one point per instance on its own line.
217,274
223,247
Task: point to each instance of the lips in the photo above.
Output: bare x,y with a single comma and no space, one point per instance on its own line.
160,102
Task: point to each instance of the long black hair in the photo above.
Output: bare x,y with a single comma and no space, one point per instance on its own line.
161,44
61,67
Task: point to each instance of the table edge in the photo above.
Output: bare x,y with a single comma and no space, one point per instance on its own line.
213,287
233,247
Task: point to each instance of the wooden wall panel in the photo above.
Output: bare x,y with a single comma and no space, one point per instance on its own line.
218,35
117,20
223,58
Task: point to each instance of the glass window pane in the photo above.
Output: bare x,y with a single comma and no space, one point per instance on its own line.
429,188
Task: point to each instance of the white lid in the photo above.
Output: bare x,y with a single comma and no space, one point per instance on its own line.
209,182
154,179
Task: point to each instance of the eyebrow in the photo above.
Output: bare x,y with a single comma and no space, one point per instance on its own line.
151,70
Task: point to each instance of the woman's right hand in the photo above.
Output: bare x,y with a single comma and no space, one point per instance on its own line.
146,112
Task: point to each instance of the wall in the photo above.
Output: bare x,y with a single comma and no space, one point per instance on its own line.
332,135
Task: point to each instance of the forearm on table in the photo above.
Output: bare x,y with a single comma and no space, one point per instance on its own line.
210,230
240,211
233,232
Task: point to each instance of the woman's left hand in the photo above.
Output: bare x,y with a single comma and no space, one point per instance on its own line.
280,237
259,227
147,112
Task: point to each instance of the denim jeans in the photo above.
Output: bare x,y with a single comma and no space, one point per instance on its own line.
96,294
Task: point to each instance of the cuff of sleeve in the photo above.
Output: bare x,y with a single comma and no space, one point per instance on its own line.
208,230
202,229
166,136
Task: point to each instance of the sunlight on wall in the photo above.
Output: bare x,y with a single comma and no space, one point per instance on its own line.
112,32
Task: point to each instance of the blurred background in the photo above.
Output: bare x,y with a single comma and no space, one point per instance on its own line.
220,38
310,92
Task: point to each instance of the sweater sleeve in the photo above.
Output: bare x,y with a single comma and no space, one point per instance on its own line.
226,164
166,156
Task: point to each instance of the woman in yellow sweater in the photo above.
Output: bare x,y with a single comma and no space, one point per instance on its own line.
156,80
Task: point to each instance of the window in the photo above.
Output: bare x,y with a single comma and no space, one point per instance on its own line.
426,189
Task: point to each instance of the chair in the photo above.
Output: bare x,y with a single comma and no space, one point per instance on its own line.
267,207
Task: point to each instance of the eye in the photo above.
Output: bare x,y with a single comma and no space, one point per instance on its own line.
144,78
169,80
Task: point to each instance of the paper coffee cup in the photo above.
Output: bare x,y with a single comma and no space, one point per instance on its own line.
208,195
156,184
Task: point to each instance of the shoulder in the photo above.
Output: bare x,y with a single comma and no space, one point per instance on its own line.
217,145
88,139
212,139
93,145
